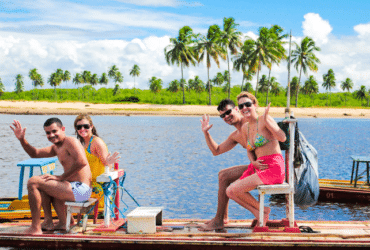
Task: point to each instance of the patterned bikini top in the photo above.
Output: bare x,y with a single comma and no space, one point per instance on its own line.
258,142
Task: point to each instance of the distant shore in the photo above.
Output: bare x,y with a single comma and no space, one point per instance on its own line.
74,108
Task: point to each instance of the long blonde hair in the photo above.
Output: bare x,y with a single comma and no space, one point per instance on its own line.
87,117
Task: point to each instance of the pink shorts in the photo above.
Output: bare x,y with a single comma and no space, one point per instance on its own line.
275,174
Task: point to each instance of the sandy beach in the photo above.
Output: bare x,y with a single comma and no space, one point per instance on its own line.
74,108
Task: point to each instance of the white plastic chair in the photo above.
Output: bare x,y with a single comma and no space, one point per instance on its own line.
284,188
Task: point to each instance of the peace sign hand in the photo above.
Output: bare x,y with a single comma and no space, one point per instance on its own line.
205,123
19,132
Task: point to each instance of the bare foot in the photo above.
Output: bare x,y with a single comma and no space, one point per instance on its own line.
32,230
211,226
60,227
47,226
226,221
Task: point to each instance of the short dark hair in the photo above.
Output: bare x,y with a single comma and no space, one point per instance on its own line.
53,120
224,103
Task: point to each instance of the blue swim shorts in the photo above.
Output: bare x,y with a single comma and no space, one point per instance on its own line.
81,191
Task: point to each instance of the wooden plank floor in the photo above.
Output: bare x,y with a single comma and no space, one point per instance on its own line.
185,233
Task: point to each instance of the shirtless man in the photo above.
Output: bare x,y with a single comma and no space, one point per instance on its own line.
72,185
230,114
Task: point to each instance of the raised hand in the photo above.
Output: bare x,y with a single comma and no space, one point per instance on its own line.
205,123
112,158
266,112
19,132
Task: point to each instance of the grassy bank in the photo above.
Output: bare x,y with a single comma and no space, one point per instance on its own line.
104,95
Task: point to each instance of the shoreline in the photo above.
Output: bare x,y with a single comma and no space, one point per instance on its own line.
75,108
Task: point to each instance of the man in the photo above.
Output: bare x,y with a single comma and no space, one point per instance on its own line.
230,114
72,185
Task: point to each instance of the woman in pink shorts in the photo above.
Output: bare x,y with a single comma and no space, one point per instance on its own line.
262,136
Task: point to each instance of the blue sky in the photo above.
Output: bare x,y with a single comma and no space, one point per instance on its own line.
94,35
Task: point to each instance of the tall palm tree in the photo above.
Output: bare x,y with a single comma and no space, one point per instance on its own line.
277,41
19,85
304,58
181,53
36,78
263,52
346,85
78,79
241,62
135,72
361,94
209,47
311,87
226,80
329,81
115,74
231,40
66,76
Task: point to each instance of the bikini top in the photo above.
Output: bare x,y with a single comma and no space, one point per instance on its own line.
258,142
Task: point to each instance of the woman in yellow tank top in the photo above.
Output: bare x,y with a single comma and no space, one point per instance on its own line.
96,150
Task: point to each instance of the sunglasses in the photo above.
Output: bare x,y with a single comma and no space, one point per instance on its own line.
247,104
85,126
226,113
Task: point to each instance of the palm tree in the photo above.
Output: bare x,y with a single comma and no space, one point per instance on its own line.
248,87
115,74
2,87
231,40
240,61
67,76
226,80
218,79
197,84
19,85
155,84
294,85
135,72
329,81
311,87
55,80
276,39
36,78
346,85
263,52
78,79
263,84
361,94
104,79
275,87
174,86
180,52
304,58
209,47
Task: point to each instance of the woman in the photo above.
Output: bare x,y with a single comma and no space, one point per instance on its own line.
96,150
262,136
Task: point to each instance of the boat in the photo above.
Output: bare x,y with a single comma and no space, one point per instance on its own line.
344,191
183,234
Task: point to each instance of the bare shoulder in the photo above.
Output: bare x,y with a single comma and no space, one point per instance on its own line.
98,143
73,142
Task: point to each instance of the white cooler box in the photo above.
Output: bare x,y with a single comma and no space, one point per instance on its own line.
144,220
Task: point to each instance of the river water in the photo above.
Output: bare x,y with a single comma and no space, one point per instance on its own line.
168,163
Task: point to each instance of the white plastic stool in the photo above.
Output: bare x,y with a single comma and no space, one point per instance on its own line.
81,208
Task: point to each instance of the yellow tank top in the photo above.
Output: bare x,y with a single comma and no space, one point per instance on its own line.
97,168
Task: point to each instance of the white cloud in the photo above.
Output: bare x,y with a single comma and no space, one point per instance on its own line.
317,28
363,30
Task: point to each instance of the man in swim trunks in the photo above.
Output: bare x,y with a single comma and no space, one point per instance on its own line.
231,115
72,185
